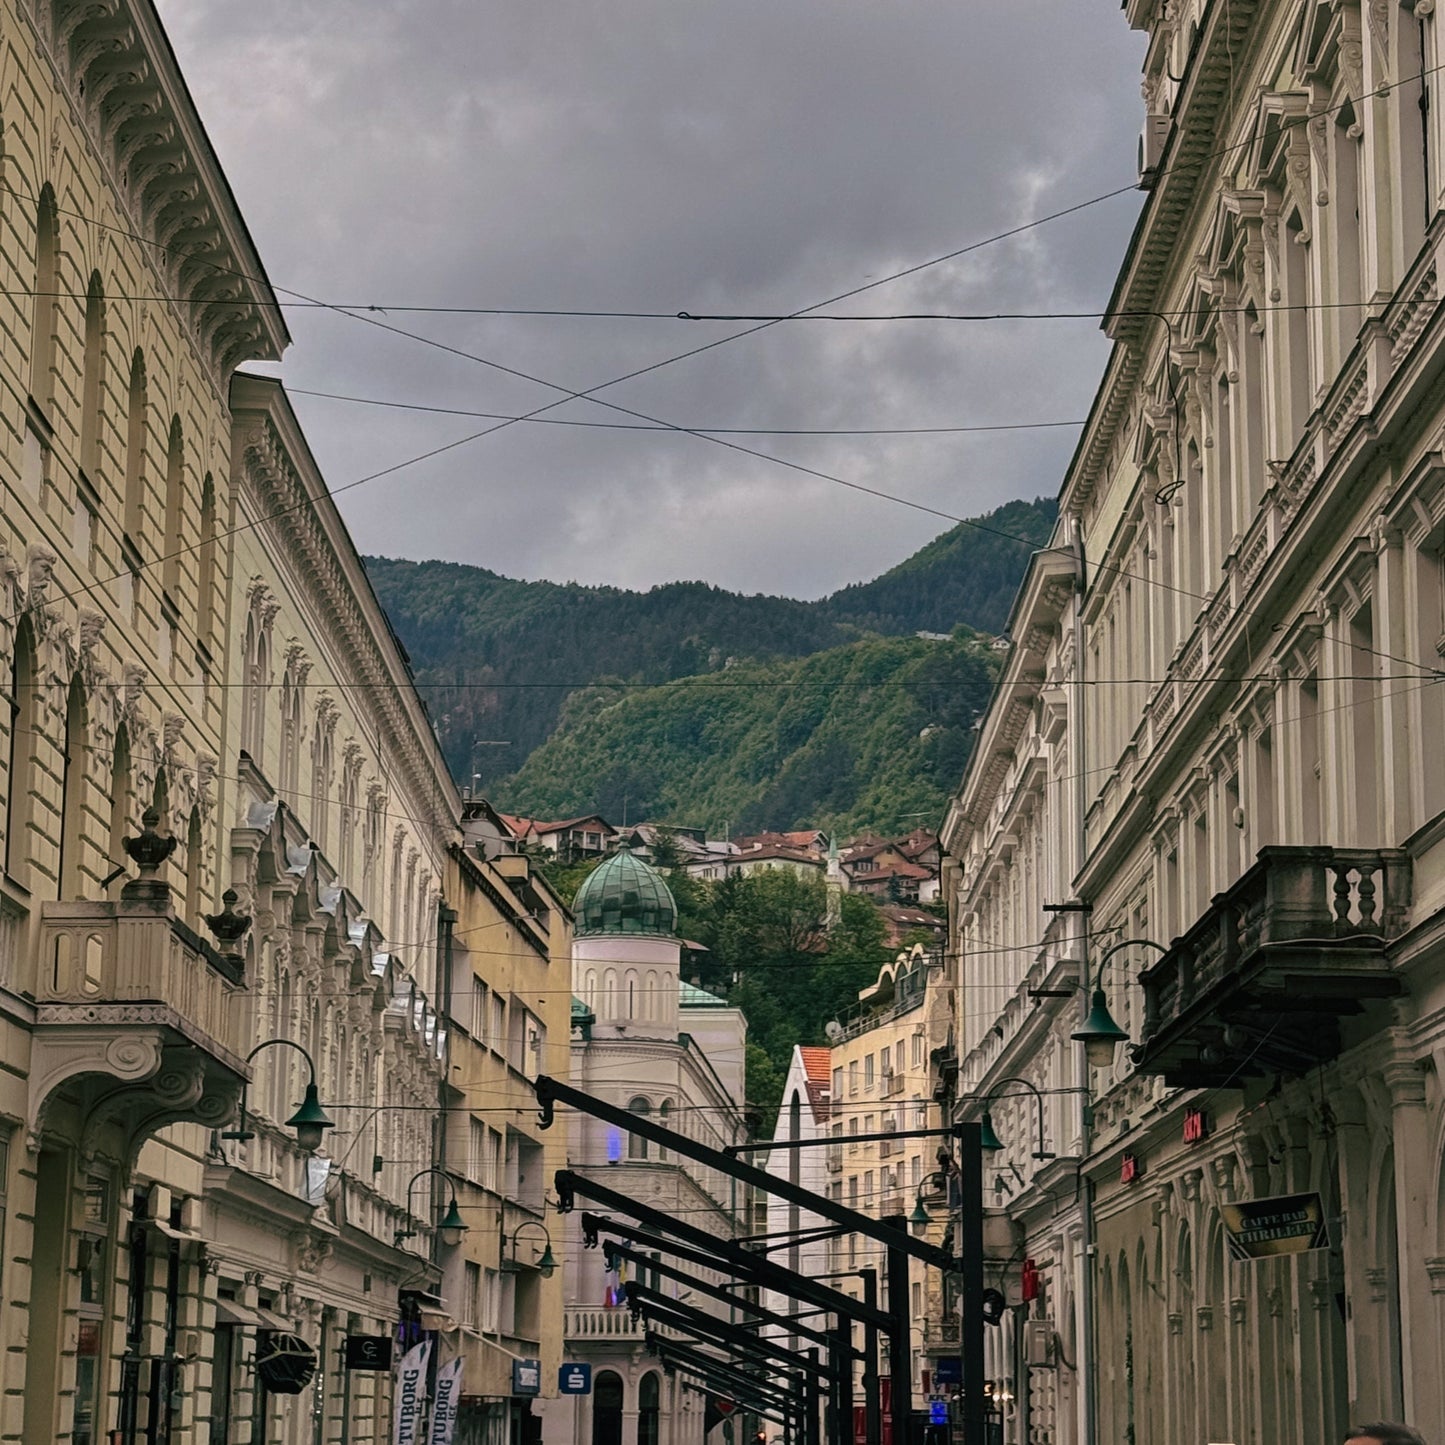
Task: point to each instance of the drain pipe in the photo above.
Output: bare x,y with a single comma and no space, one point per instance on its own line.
1087,1329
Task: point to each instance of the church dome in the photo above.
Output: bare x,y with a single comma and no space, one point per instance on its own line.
625,895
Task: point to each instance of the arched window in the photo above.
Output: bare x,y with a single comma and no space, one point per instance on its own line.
193,866
175,507
321,768
23,740
257,652
350,790
47,281
649,1409
122,795
206,561
135,448
393,920
72,791
607,1409
289,781
92,378
664,1112
636,1144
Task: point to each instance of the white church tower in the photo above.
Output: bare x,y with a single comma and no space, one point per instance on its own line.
647,1041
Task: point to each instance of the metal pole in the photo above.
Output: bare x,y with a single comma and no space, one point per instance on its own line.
970,1249
812,1435
900,1362
842,1431
872,1405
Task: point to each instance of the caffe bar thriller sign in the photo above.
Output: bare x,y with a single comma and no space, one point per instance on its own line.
1265,1228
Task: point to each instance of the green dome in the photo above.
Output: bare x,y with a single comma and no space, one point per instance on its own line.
624,895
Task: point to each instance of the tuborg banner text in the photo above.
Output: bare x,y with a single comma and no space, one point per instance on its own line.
444,1403
410,1392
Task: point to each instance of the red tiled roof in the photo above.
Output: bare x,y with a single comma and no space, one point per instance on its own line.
572,823
776,850
818,1062
818,1066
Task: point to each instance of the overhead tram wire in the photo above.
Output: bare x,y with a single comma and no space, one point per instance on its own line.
589,394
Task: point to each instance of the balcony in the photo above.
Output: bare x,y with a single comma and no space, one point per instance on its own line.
137,1020
893,1084
1261,983
833,1161
602,1324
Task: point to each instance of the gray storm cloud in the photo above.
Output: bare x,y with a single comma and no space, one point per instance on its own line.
699,155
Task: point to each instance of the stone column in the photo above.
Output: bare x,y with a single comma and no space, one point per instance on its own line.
1415,1208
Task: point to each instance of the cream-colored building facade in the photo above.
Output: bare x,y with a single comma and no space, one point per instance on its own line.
511,988
882,1082
226,820
1219,730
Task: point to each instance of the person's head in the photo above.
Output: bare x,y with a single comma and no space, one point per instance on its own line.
1384,1433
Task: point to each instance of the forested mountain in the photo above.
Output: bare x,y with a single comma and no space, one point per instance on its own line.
499,661
869,735
966,575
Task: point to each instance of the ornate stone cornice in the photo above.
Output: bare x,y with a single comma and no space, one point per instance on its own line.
113,60
265,467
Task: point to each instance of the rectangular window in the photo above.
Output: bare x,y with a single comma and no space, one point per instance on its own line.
491,1160
491,1301
867,1186
917,1050
868,1072
852,1077
476,1149
479,1010
838,1082
852,1191
471,1295
497,1038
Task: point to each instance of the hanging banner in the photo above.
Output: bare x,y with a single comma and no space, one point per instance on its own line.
410,1392
444,1402
1286,1224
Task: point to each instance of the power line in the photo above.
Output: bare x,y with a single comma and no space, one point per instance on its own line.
714,430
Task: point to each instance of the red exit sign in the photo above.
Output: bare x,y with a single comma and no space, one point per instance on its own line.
1196,1126
1131,1170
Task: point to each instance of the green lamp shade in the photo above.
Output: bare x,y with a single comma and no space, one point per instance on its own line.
310,1121
918,1220
1099,1034
547,1265
988,1139
453,1226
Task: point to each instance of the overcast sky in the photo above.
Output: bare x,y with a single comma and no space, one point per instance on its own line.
737,156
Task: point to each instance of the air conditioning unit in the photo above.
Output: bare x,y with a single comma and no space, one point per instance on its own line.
1152,142
1039,1344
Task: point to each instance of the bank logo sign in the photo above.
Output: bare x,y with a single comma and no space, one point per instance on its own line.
1265,1228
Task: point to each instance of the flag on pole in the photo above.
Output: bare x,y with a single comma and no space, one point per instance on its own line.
444,1402
411,1392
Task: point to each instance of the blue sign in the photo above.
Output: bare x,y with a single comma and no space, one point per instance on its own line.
574,1379
526,1377
948,1370
938,1412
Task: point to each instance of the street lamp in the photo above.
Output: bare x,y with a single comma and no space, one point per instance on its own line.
988,1140
310,1121
451,1226
547,1265
938,1180
1099,1033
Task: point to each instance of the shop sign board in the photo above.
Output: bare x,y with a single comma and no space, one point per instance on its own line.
1266,1228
